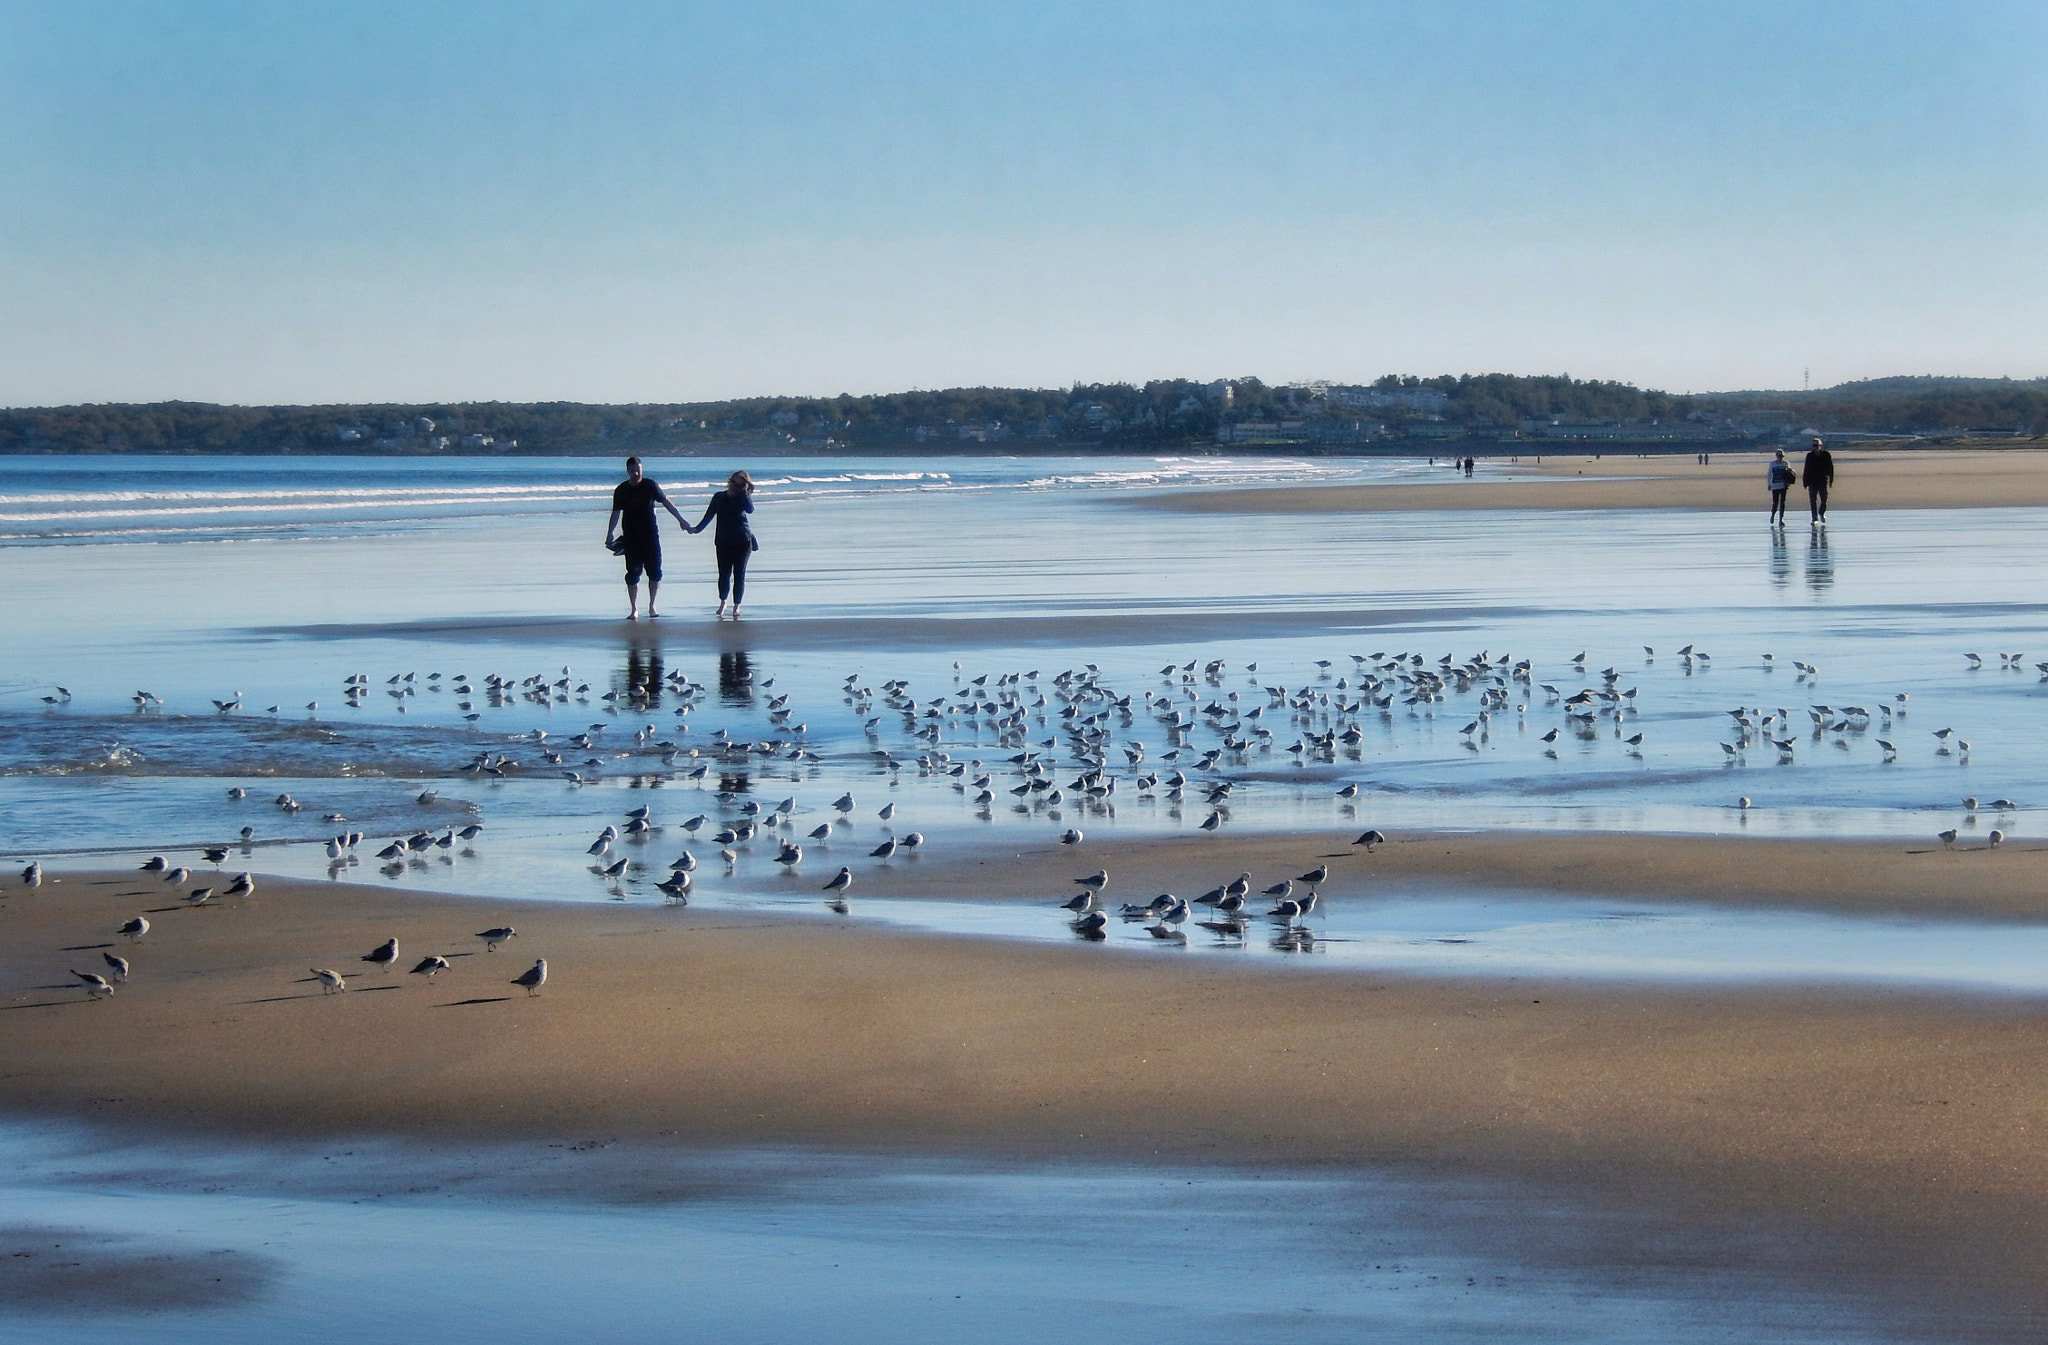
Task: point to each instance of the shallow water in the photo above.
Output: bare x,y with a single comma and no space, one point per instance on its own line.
225,1242
292,575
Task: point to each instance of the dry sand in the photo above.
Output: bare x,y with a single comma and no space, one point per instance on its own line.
1959,478
1911,1125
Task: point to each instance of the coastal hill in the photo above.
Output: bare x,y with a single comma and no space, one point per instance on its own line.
1478,413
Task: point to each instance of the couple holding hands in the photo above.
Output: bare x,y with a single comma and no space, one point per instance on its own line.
639,539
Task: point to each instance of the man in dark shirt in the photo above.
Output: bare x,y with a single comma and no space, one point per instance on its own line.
1817,475
633,502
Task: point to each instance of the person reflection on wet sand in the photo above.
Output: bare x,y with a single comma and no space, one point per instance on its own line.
1820,565
736,677
644,675
1781,560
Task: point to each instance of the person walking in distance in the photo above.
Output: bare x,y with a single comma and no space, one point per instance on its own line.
734,541
639,541
1779,476
1818,474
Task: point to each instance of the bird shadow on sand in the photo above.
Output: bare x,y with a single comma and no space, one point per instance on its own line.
85,947
47,1003
487,999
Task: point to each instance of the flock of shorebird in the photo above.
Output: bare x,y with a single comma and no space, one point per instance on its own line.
1205,733
136,929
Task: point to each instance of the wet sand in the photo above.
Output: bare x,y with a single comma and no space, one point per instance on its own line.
1960,478
1909,1124
686,627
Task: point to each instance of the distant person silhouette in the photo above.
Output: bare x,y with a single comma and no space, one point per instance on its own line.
734,541
1818,474
633,502
1779,476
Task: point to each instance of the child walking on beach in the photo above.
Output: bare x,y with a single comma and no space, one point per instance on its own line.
1779,475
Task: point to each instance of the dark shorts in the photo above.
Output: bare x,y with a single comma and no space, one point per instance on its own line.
643,556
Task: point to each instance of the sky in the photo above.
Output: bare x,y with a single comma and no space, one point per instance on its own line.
420,201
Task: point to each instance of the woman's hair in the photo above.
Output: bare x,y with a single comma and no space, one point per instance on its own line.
739,481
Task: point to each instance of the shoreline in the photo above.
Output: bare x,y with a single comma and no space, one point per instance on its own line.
1864,479
1899,1119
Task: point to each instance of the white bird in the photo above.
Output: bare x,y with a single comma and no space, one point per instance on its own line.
844,803
383,955
840,880
1742,802
177,875
1947,837
155,864
199,896
1091,922
1281,890
133,930
884,850
1071,836
1370,839
1997,838
244,885
493,937
95,984
1095,881
330,980
888,811
534,977
33,874
1315,875
791,853
430,965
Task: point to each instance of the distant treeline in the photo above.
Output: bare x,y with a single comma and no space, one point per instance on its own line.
1160,414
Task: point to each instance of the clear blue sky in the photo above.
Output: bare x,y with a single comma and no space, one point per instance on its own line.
264,202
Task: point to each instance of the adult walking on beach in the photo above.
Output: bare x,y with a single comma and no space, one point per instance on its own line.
1779,476
633,502
1818,474
734,541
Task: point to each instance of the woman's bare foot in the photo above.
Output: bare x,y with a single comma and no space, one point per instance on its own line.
720,610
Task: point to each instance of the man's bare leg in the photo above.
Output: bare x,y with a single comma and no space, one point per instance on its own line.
653,587
633,601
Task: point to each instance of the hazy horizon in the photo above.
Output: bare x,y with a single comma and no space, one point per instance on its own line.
538,202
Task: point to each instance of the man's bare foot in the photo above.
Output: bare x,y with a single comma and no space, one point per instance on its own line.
651,614
632,616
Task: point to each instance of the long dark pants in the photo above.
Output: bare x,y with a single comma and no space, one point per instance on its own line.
1777,506
1817,500
732,572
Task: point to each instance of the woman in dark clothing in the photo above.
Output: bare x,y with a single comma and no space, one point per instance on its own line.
734,540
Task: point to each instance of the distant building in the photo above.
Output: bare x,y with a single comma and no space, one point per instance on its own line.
1424,400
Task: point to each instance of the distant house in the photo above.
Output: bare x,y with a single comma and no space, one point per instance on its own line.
1424,400
349,434
476,441
784,419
